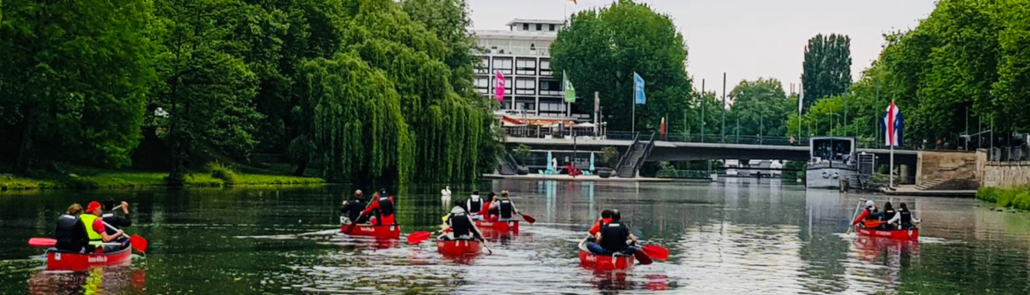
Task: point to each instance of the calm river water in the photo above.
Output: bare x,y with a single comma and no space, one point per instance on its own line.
741,236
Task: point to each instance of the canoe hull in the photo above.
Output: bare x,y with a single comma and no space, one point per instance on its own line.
459,247
604,262
498,226
375,231
57,260
901,235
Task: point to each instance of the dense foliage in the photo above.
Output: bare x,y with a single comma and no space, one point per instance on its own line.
827,67
758,107
967,58
602,48
359,90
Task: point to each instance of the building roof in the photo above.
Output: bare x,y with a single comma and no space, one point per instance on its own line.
534,21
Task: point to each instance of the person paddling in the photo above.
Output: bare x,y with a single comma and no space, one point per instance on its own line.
96,231
614,237
350,211
888,214
474,205
71,234
384,207
904,218
117,222
488,211
606,217
505,208
460,225
868,216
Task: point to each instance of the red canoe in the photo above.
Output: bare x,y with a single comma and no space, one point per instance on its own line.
499,226
376,231
901,234
459,247
58,260
603,262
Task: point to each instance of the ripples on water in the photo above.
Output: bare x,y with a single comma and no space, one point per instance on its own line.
733,237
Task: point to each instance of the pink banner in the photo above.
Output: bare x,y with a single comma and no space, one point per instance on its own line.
499,94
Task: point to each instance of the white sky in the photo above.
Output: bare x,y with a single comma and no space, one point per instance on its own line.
746,39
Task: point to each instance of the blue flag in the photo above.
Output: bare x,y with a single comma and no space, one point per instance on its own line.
638,90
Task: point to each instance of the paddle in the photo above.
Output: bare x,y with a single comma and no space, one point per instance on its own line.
138,242
418,237
642,257
528,218
853,216
42,242
488,250
656,252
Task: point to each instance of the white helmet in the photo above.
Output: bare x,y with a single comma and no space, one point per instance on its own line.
869,203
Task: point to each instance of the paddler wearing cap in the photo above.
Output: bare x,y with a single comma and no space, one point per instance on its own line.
383,206
869,215
95,229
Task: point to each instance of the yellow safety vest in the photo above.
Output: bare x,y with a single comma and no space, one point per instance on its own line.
94,237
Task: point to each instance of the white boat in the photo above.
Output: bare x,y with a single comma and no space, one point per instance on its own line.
831,160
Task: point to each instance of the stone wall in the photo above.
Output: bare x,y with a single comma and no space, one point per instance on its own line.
947,170
1006,174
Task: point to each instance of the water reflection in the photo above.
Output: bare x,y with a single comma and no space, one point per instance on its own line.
109,280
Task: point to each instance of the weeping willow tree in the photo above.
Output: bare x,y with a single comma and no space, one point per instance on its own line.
386,110
357,120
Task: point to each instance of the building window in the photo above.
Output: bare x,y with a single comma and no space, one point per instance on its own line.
525,86
525,27
539,27
484,65
545,67
552,107
551,27
550,87
525,66
503,64
483,85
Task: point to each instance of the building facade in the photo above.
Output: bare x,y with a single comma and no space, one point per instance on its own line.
522,54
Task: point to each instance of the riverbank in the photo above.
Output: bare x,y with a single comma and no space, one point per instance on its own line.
133,179
1018,198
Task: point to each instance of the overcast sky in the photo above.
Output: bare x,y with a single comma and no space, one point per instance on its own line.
746,39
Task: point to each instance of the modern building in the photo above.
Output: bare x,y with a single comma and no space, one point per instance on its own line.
522,54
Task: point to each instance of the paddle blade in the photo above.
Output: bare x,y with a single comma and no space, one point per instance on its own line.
657,252
528,218
139,243
642,257
418,237
42,242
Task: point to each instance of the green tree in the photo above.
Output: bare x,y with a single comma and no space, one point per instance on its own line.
1012,89
73,79
207,91
761,107
827,67
601,50
449,21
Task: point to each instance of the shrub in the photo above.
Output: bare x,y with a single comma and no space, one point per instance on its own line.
223,172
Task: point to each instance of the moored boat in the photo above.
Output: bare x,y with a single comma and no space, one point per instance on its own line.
499,226
459,247
369,230
603,262
899,234
60,260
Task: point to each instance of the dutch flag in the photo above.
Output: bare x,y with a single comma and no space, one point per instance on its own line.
893,126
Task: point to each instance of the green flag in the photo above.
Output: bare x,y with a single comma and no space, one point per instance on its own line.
570,92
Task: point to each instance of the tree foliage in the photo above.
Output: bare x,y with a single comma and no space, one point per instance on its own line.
758,106
602,48
827,67
73,79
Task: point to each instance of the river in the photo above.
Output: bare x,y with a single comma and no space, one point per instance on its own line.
738,236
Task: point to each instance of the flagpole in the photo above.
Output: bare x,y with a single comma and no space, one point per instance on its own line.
891,185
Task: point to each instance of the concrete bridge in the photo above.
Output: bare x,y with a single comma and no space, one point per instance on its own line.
680,151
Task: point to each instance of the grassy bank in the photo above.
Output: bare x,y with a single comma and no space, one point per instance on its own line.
1018,198
131,179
